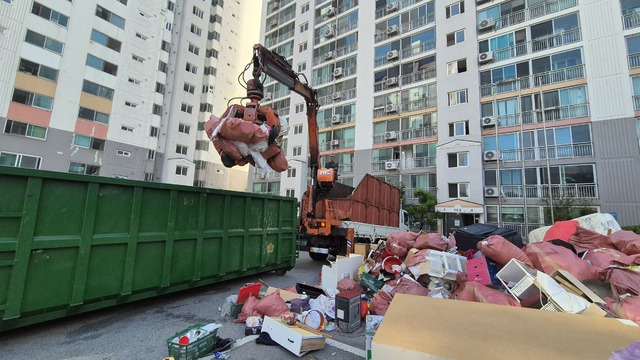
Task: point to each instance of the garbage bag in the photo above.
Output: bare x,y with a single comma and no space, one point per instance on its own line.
248,309
626,241
348,284
271,305
561,230
548,258
473,291
380,303
623,280
626,307
397,250
606,257
584,239
406,285
501,250
629,353
418,258
300,305
405,239
431,241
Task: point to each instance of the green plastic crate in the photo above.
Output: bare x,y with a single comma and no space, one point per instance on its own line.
236,309
194,350
370,283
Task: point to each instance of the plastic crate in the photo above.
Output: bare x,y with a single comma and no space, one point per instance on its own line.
519,279
194,350
482,270
446,265
236,309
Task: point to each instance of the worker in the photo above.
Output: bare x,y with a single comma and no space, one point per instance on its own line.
332,165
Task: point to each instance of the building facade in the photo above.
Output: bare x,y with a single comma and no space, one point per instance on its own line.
506,110
117,88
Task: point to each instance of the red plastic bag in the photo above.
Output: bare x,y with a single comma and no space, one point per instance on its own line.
627,307
548,258
626,241
418,258
271,305
623,281
380,303
397,250
431,241
405,239
408,286
248,309
606,257
348,284
561,230
585,239
473,291
500,250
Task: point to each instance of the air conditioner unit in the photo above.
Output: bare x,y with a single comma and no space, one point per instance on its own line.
486,24
336,119
331,12
276,5
392,30
262,175
337,72
336,95
274,23
335,142
328,33
392,7
488,121
485,57
391,108
391,165
393,54
329,55
211,90
392,81
490,155
491,191
266,97
391,135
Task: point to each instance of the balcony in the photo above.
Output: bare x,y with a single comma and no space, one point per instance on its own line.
636,102
344,119
410,194
634,61
271,41
539,44
342,29
409,134
557,191
550,114
345,169
280,20
401,5
531,81
281,5
631,21
330,77
410,51
568,151
265,175
522,229
407,79
406,27
408,106
347,49
344,95
341,9
533,12
337,144
404,164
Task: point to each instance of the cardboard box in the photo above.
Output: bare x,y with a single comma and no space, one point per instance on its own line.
348,311
574,286
297,340
371,326
362,249
344,267
284,294
493,332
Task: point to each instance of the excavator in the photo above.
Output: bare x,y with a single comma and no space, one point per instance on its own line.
250,133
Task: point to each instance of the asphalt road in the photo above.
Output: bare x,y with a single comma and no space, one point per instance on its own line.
139,330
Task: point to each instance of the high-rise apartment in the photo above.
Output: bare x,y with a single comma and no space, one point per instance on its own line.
118,88
506,110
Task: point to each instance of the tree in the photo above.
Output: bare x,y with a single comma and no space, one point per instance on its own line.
424,212
567,208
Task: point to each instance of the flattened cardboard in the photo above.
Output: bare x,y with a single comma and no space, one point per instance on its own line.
284,294
412,252
469,330
343,268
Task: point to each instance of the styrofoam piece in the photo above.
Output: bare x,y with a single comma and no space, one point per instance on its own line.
446,265
519,279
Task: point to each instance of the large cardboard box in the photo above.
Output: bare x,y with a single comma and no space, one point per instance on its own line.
419,327
297,340
362,249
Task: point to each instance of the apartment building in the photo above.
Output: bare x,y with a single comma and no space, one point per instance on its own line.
116,88
503,109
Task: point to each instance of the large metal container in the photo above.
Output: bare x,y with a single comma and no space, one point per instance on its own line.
74,243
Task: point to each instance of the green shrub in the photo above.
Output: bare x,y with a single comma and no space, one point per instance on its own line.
634,228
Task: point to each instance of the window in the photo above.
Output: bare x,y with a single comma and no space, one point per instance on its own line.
110,17
194,49
97,90
124,153
165,46
162,66
302,47
20,160
457,97
102,65
126,128
299,108
160,88
458,66
26,130
206,107
189,88
137,58
455,37
181,170
200,165
296,150
32,99
191,68
151,154
124,2
181,149
186,108
290,193
459,190
198,12
297,129
171,6
210,70
459,128
79,168
304,27
212,53
135,81
304,8
93,115
460,159
105,40
38,70
88,142
202,145
213,35
215,19
130,104
44,42
302,66
455,9
153,132
51,15
291,172
183,128
157,109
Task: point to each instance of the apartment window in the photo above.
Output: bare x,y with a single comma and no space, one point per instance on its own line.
210,70
202,145
212,53
213,35
165,46
44,42
171,6
20,160
148,176
105,40
93,115
102,65
157,109
455,37
160,88
124,153
183,128
291,172
38,70
302,47
304,8
97,89
137,58
168,26
458,66
297,129
460,159
302,66
110,17
194,49
86,169
32,99
457,97
88,142
153,132
49,14
181,149
191,68
297,150
299,108
459,128
189,88
162,66
215,19
200,165
290,193
304,27
151,154
198,12
186,108
126,128
459,190
455,9
26,130
181,170
206,107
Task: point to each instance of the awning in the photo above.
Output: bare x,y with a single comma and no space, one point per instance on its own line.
458,206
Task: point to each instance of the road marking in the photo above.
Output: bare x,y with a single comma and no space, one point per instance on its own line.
345,347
